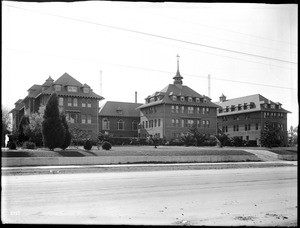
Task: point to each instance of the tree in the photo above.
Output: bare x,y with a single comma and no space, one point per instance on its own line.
22,129
293,136
53,129
5,124
68,137
34,129
77,135
196,135
224,140
269,135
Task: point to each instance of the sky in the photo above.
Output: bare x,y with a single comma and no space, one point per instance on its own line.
119,48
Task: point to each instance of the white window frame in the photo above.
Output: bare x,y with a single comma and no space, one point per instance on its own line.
122,123
72,89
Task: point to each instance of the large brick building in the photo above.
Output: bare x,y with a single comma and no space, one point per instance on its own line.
119,119
170,112
245,117
76,100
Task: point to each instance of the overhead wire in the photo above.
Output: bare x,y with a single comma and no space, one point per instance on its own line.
150,69
157,36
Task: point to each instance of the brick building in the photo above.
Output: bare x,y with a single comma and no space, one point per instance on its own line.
170,112
245,117
78,101
120,119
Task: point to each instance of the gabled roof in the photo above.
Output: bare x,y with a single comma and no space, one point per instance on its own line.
255,99
34,90
67,80
128,109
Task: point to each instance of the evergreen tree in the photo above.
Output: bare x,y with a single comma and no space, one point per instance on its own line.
68,137
53,129
197,136
269,135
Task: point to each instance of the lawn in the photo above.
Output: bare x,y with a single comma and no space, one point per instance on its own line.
126,151
284,150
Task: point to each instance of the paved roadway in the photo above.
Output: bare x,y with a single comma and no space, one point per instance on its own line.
252,196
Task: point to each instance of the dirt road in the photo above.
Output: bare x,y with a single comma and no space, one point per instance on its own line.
253,196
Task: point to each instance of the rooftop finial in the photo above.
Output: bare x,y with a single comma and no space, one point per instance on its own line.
177,62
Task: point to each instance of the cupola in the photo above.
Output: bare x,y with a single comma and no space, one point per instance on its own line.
178,78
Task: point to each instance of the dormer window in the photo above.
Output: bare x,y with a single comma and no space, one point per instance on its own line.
174,98
190,99
72,89
57,87
279,106
119,111
197,99
86,90
205,100
182,98
272,106
266,105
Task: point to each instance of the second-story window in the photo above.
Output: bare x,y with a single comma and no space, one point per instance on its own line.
190,110
83,103
61,101
69,101
75,102
89,103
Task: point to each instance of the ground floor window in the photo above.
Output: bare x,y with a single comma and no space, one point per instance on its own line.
121,124
72,117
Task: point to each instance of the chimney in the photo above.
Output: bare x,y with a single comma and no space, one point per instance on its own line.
135,96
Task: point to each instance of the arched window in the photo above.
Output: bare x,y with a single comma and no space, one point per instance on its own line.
134,125
105,124
121,124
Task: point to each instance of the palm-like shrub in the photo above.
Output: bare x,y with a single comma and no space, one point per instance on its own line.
53,129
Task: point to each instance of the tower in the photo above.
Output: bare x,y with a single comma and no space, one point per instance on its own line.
178,78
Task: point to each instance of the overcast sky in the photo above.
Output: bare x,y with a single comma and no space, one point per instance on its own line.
245,48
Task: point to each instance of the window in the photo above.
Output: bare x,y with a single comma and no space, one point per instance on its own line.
121,125
198,123
272,106
205,100
83,103
86,90
72,88
177,109
190,123
197,99
182,123
146,124
207,123
75,102
69,101
182,109
198,110
89,103
190,110
203,111
203,123
105,124
174,98
72,117
61,101
143,124
57,87
182,99
83,119
256,126
173,122
172,108
266,105
89,119
159,122
190,99
226,129
134,125
207,110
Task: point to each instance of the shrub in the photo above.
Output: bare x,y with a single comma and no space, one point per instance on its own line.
88,145
68,136
29,145
106,145
12,145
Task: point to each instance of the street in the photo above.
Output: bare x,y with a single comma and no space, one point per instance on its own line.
248,196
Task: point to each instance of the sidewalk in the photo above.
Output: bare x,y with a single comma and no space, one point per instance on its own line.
31,170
